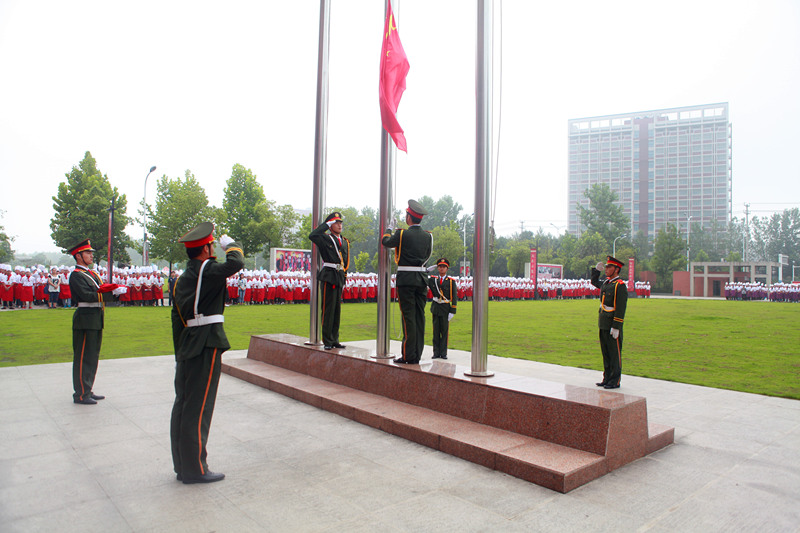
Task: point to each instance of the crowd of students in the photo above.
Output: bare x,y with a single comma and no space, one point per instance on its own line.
777,292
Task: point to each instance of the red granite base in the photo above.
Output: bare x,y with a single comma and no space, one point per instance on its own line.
558,436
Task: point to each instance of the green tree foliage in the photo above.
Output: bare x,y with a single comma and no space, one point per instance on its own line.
181,204
441,212
778,234
81,211
6,253
669,255
447,243
604,215
246,209
361,262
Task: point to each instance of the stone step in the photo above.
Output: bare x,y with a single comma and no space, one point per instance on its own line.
557,467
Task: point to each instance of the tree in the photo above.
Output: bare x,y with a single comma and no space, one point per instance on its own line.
669,255
778,234
604,215
360,262
81,211
446,243
6,253
181,205
441,212
246,209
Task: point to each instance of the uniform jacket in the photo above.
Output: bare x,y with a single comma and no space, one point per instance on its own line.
448,290
413,247
83,283
613,301
327,249
191,341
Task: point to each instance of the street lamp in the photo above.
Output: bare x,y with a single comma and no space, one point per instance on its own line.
614,252
145,258
558,228
688,232
465,244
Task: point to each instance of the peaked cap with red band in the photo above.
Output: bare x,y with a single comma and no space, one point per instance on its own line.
202,234
443,261
415,209
614,262
335,216
83,246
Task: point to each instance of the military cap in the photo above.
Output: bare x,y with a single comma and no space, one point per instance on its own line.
443,261
83,246
614,262
335,216
415,209
202,234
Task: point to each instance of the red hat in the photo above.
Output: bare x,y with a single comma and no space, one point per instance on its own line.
614,262
202,234
83,246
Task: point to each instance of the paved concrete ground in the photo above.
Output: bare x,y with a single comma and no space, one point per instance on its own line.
735,465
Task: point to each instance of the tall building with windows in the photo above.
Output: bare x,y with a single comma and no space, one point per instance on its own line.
669,166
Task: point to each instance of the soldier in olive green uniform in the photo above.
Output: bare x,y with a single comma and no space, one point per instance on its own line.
199,339
613,301
413,248
335,251
443,307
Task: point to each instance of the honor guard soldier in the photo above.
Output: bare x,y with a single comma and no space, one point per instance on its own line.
413,248
87,322
443,307
334,249
199,340
613,301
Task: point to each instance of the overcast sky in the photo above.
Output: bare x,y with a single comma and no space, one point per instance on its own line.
205,85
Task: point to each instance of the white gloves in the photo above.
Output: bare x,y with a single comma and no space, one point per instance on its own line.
225,241
331,223
450,316
599,266
119,290
615,333
431,268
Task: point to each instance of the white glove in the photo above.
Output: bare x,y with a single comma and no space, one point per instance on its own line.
450,316
331,223
390,227
599,266
225,241
119,290
615,333
432,268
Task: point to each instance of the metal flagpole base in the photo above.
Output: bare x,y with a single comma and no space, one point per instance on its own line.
387,356
309,343
486,374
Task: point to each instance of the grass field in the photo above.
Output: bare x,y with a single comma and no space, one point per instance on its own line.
743,346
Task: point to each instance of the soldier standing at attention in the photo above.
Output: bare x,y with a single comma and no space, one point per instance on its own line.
613,301
413,248
335,251
199,340
87,322
443,307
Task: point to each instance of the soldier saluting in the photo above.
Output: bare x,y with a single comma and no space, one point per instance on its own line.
613,301
335,251
199,340
443,307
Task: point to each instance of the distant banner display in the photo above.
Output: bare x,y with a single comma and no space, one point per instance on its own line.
631,274
534,262
290,260
550,271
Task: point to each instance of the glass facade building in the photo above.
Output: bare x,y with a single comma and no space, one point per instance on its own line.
668,166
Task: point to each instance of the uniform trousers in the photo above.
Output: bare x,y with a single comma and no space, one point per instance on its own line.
196,383
331,312
441,332
412,301
85,355
612,357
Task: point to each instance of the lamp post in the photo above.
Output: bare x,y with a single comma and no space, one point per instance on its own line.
688,231
145,258
558,228
614,251
465,244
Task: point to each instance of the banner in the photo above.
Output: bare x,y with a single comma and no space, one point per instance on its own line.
631,274
547,271
289,260
534,263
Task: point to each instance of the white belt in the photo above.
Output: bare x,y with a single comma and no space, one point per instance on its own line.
90,304
337,266
441,300
201,320
607,309
411,269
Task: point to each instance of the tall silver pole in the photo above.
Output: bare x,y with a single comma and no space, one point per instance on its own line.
483,172
385,209
320,160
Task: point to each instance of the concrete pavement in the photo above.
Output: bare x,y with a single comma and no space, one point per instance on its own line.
735,464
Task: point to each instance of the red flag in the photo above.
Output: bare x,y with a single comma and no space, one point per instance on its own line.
394,67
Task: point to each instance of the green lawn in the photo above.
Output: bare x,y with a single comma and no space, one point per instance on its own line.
743,346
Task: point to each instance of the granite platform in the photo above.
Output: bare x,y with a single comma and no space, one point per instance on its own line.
555,435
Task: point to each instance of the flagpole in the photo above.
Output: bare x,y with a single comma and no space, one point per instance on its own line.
320,160
483,172
385,209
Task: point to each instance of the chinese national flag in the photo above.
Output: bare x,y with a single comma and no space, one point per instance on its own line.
394,67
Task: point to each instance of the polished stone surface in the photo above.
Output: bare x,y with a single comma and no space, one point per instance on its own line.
559,420
735,465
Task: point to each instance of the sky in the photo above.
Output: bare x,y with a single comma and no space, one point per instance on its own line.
201,86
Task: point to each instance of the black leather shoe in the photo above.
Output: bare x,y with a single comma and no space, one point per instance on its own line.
443,357
208,477
84,401
179,477
601,384
435,357
400,361
97,396
610,386
328,347
337,345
